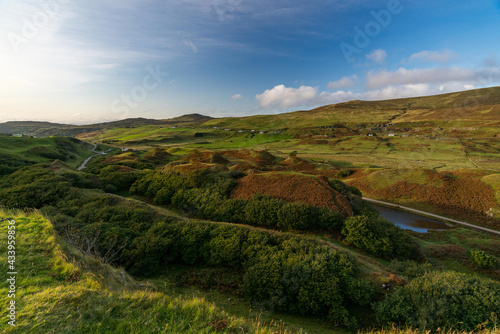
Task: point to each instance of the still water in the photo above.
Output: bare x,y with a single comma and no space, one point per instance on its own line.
410,221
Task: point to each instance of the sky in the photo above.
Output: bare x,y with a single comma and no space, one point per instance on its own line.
82,62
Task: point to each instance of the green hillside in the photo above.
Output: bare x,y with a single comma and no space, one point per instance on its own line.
45,129
469,108
66,291
294,262
16,152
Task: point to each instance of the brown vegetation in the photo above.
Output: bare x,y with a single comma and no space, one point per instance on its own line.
460,194
158,154
293,188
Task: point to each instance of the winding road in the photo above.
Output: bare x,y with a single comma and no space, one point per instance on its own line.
405,208
84,164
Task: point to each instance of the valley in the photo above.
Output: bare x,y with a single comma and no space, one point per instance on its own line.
262,224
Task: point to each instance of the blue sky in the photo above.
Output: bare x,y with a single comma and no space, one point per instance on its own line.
90,61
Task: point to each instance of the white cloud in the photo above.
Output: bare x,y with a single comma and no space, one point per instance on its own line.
402,76
104,66
237,97
400,91
191,45
377,56
295,97
432,56
345,82
285,97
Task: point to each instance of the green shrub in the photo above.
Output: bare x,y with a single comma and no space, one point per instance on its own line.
482,259
411,269
296,215
263,210
367,234
380,237
343,173
441,300
232,211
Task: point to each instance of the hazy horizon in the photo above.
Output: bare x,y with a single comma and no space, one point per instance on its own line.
74,63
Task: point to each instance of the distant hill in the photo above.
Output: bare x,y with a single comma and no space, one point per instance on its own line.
27,127
46,129
479,106
468,108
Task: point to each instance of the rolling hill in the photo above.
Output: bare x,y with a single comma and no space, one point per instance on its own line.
45,129
467,109
19,152
479,107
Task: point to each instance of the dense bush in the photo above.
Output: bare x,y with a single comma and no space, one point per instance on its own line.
379,237
343,173
32,187
159,186
280,272
343,188
206,195
410,269
441,300
9,163
111,175
482,259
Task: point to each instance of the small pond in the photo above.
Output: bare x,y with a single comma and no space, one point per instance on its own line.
410,221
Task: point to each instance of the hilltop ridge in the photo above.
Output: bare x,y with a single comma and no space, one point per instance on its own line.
478,106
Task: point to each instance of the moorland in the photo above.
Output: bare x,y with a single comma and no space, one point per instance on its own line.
257,224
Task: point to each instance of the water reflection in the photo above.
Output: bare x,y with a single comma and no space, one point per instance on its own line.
410,221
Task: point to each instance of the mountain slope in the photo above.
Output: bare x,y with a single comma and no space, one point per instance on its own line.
480,106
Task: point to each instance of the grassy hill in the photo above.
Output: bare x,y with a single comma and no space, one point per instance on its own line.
62,290
469,109
479,107
45,129
16,152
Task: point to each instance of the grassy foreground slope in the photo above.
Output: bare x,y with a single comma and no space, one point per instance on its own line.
59,290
